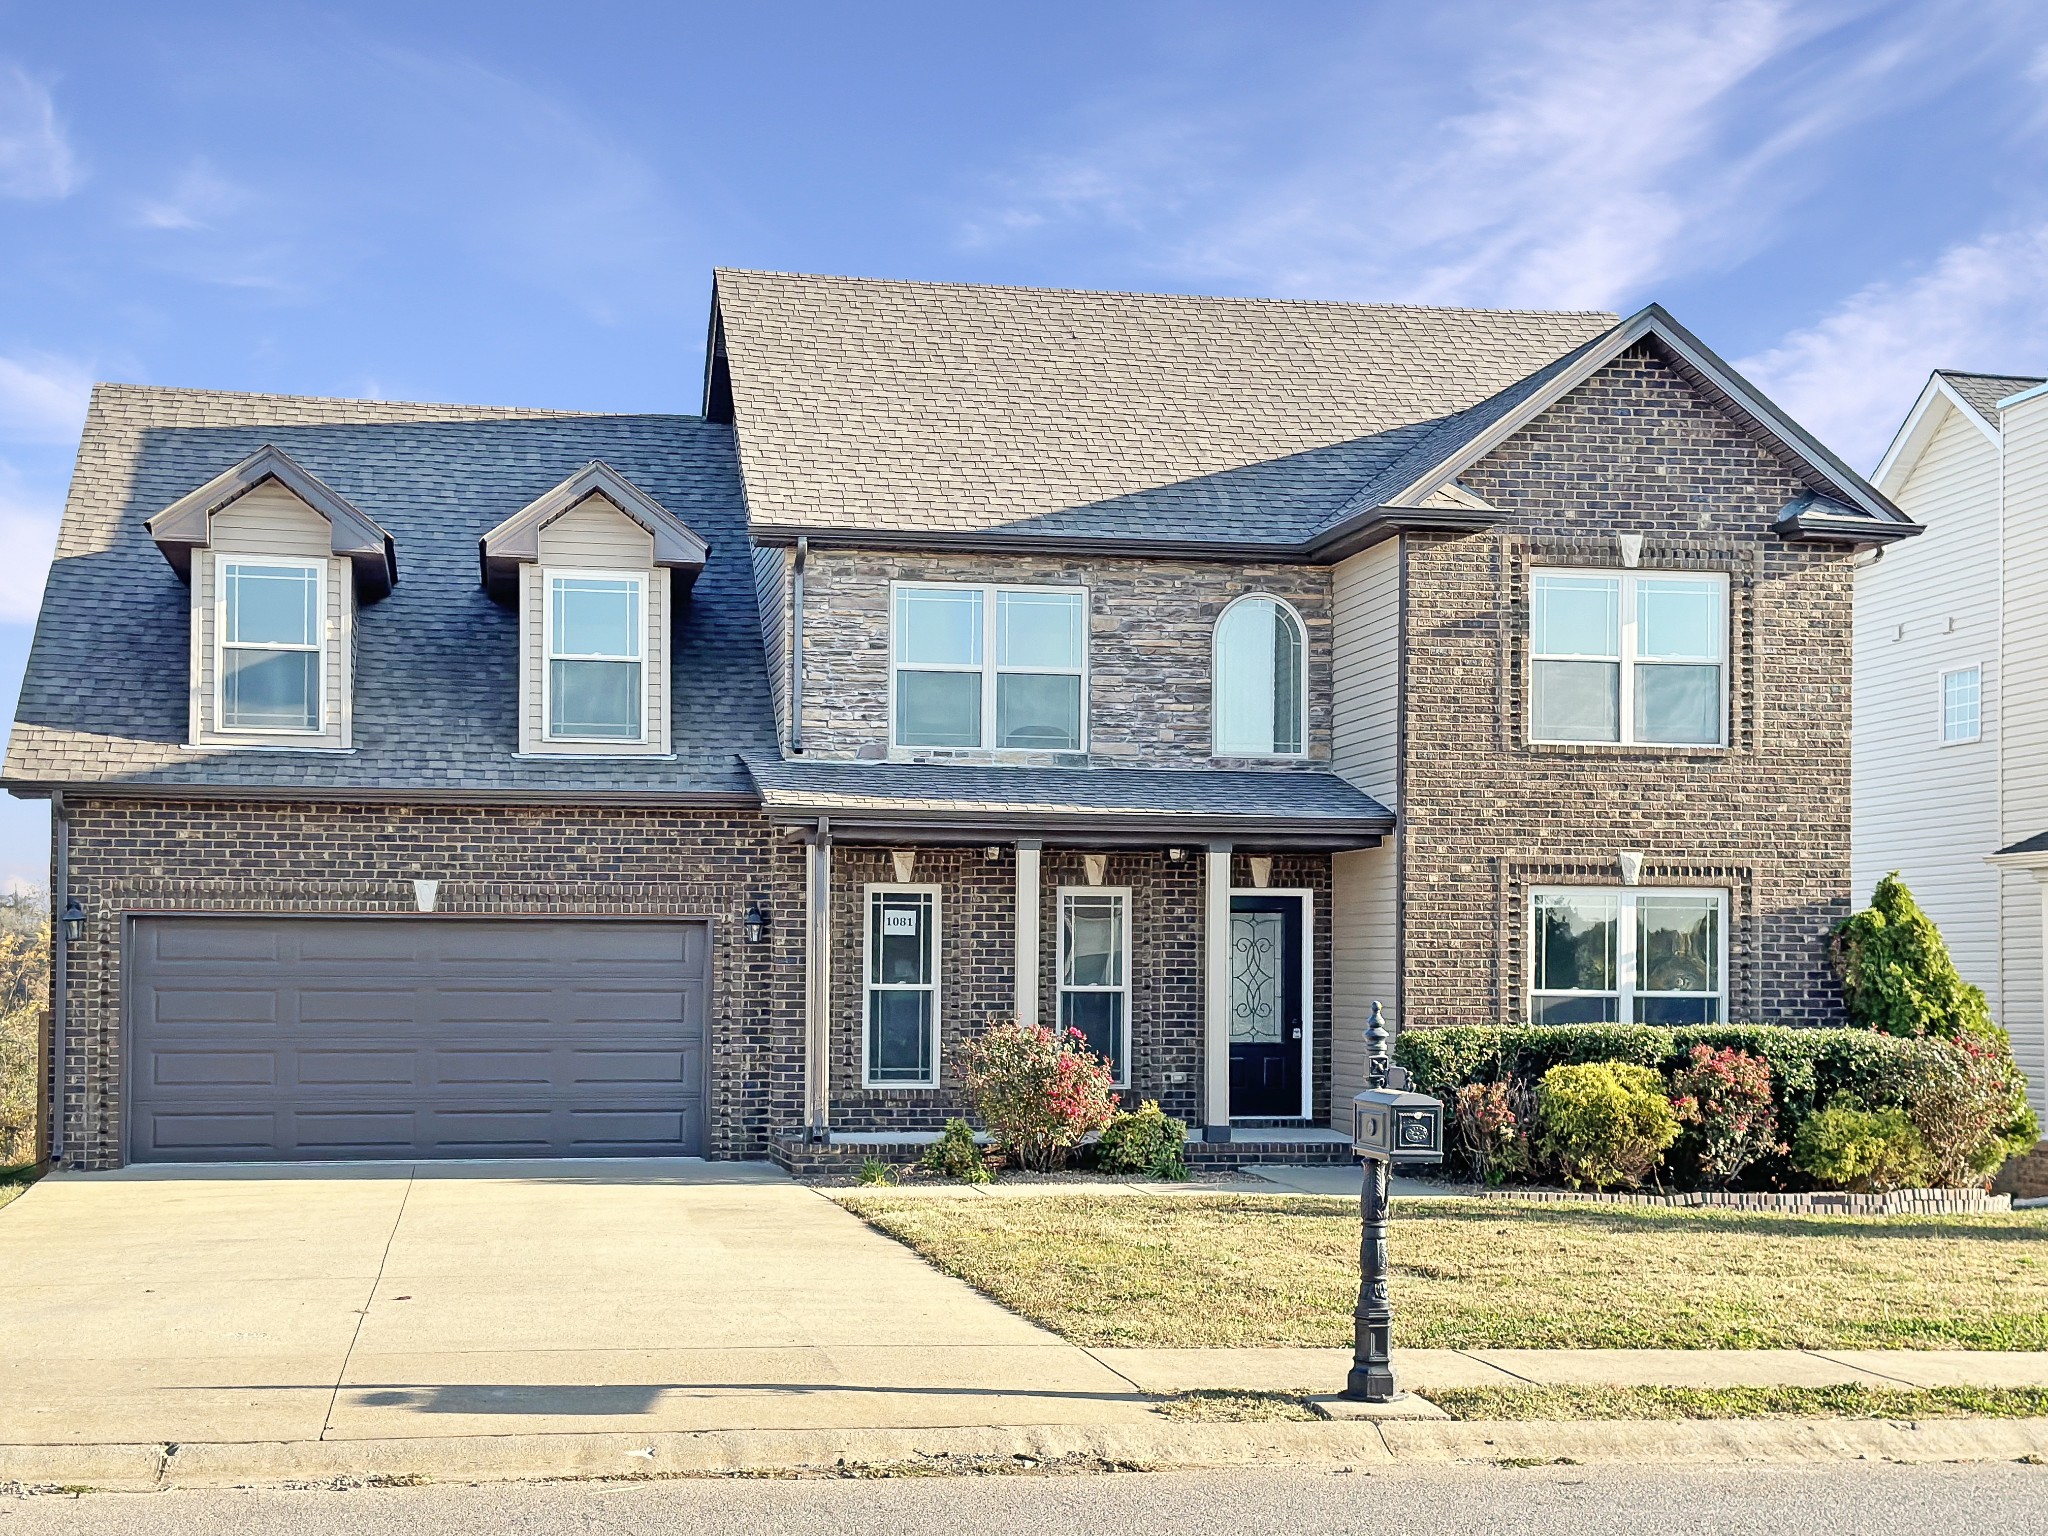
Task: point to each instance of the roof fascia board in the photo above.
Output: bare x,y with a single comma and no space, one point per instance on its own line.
1918,430
2024,395
187,523
1655,321
40,789
516,541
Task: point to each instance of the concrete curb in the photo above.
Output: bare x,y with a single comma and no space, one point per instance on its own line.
716,1453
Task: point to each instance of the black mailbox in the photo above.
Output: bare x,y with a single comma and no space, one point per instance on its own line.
1394,1126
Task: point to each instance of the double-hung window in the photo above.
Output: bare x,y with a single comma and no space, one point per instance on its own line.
901,1040
1962,705
596,643
1628,656
272,629
1095,971
1002,667
1628,956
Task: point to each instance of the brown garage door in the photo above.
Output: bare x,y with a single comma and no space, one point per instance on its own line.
325,1037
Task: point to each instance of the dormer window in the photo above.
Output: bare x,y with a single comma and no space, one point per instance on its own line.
272,644
595,567
278,562
596,647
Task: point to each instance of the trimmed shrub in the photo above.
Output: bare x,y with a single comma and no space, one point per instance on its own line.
1968,1102
1897,977
1037,1092
955,1155
1846,1146
1722,1098
1604,1123
1144,1140
1493,1121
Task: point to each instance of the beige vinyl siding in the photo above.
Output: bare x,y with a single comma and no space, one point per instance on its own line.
771,595
1925,809
593,535
2024,737
1364,962
1365,741
1365,744
270,520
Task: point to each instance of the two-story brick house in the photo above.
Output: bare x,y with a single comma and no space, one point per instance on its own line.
1189,672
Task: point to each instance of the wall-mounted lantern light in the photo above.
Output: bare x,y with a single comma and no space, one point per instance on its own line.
74,921
755,924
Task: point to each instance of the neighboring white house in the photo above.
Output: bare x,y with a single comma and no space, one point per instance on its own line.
1951,738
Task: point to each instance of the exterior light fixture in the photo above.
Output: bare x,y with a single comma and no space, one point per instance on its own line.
991,853
74,921
755,924
1176,855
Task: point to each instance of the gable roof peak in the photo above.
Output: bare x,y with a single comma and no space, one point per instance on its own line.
516,541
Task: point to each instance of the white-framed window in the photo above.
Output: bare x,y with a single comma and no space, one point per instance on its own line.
271,625
989,666
594,646
900,1012
1628,956
1095,971
1635,657
1962,705
1259,699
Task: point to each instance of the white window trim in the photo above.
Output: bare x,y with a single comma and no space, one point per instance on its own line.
1628,659
1215,671
868,986
222,564
988,667
1308,991
1941,735
549,574
1626,991
1060,987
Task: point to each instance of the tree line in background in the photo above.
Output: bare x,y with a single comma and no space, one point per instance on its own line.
24,994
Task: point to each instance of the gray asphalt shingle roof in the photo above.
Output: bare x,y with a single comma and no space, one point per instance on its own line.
436,676
1303,795
878,405
1983,391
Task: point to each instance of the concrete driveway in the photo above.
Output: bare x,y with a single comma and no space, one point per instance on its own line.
377,1302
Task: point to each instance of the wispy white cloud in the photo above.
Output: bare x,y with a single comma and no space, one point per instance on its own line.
1597,146
28,532
36,159
42,398
200,198
1981,306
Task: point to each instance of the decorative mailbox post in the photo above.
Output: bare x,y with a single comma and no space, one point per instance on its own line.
1389,1123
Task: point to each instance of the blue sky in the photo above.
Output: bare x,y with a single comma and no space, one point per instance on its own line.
520,203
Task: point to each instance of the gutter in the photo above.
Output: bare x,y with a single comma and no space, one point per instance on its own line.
60,974
796,648
708,799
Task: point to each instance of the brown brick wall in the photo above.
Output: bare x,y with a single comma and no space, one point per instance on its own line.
1148,654
133,856
1488,814
977,973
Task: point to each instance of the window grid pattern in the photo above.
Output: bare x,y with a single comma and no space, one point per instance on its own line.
900,1004
1095,971
272,639
596,645
1962,705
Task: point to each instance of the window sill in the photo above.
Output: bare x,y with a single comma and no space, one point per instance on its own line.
867,1087
267,744
585,757
1624,749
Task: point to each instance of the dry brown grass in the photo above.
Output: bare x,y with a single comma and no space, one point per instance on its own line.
1222,1270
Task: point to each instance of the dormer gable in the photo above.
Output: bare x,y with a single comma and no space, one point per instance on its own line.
187,523
517,541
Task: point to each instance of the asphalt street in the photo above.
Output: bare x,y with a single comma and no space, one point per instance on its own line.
1754,1501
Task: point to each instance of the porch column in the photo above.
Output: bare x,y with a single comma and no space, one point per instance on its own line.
1216,995
818,979
1027,930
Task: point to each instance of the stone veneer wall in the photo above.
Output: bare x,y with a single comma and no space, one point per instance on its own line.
1150,620
142,856
1488,814
977,971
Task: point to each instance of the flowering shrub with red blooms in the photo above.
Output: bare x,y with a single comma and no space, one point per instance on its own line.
1493,1122
1037,1092
1723,1099
1963,1097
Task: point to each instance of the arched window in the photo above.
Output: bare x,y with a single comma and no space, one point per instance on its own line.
1260,689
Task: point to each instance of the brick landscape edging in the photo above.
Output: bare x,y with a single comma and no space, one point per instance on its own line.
1900,1202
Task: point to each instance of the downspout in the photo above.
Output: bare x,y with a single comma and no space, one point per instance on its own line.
796,647
818,983
60,966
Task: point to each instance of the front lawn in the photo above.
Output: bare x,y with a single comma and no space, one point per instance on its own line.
1192,1271
14,1180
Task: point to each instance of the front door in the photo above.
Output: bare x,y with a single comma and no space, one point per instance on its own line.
1266,1014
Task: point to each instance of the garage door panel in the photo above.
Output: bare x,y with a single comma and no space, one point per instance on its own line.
396,1046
